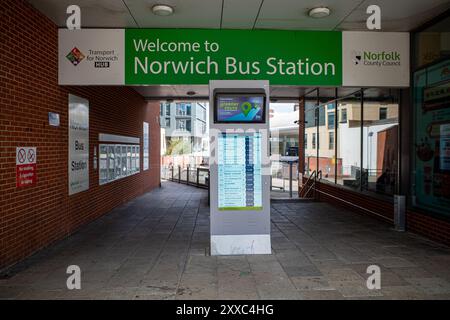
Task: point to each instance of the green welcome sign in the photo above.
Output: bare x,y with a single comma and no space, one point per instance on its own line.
195,56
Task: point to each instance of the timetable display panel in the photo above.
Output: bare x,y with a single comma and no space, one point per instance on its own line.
239,172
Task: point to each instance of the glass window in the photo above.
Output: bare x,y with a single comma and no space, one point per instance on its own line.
111,163
161,109
167,122
184,125
183,109
200,112
380,142
118,166
103,164
383,113
133,160
138,158
129,169
167,114
433,43
348,161
431,141
124,161
314,140
306,141
331,120
343,115
331,140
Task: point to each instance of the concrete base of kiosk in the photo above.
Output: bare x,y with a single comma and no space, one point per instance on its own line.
240,244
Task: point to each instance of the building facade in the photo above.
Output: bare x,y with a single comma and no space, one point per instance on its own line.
185,127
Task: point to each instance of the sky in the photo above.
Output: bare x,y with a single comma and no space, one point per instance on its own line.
283,115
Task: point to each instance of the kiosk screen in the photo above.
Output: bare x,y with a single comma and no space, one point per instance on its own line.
239,108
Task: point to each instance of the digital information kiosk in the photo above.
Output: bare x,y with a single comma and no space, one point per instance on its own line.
239,167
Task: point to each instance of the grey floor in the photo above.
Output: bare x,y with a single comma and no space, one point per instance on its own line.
155,247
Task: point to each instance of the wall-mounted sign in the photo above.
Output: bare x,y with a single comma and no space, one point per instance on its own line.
78,144
145,142
375,59
91,56
53,119
26,173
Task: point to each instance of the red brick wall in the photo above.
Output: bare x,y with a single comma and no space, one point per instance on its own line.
33,217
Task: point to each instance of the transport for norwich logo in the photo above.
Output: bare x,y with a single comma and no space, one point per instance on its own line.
75,56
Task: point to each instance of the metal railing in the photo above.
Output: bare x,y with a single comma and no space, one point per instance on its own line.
194,176
310,184
284,172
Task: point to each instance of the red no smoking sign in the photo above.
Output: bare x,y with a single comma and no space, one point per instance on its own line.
25,166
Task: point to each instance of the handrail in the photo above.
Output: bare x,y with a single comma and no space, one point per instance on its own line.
313,174
314,177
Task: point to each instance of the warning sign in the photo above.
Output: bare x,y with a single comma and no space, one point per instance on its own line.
25,166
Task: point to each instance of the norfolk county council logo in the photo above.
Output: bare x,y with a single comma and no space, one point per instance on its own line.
75,56
376,58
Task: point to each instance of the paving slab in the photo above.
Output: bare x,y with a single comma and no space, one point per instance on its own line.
157,247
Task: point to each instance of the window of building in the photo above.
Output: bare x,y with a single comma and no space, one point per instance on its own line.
313,140
167,122
343,115
184,125
306,141
167,114
183,109
164,109
383,113
200,112
330,120
331,140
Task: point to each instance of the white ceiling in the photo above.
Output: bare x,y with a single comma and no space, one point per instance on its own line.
397,15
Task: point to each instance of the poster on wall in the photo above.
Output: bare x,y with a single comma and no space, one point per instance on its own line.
78,144
26,173
145,151
432,138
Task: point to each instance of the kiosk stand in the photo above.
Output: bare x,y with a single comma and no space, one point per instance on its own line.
239,167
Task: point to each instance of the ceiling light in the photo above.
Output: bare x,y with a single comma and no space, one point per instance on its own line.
162,10
320,12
